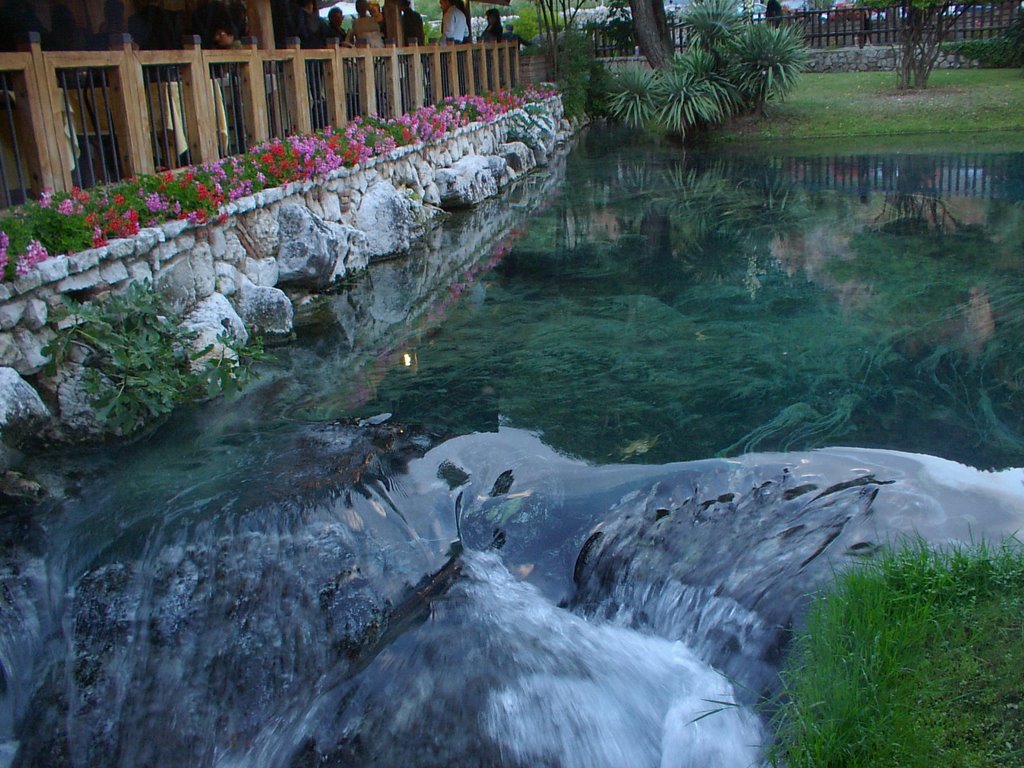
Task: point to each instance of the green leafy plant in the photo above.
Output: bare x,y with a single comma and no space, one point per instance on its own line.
694,93
138,359
576,69
631,96
1006,50
712,25
729,68
766,62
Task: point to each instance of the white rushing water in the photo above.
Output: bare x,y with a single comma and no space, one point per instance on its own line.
588,695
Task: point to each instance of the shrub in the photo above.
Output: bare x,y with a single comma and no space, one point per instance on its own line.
765,63
712,26
729,67
994,53
693,93
631,96
138,360
576,71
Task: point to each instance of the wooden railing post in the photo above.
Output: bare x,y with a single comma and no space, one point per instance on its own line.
367,82
470,72
503,67
416,91
198,96
335,85
394,83
129,102
435,81
298,91
453,70
253,83
49,156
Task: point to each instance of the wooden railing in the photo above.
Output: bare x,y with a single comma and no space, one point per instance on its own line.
91,117
837,27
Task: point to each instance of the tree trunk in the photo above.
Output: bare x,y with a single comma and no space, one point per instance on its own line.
651,27
921,36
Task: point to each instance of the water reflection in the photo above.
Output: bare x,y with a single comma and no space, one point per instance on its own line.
677,306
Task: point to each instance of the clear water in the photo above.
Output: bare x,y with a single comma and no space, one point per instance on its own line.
191,598
670,305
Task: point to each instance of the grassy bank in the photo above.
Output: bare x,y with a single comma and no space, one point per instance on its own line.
915,660
958,104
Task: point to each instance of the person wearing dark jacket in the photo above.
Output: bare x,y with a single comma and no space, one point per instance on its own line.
493,32
412,24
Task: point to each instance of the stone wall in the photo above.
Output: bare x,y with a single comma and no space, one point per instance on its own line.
872,58
267,254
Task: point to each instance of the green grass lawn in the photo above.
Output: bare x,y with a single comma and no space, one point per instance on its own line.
959,105
915,660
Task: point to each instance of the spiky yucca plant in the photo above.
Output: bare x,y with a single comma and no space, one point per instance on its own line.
693,93
631,98
729,67
765,63
712,25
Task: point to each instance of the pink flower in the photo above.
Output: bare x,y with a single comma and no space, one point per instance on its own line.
34,254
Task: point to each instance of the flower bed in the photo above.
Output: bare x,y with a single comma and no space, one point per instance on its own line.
66,222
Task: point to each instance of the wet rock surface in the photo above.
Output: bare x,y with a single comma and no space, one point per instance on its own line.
218,634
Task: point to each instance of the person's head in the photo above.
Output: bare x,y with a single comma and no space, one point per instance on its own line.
493,17
375,11
222,38
336,19
445,4
405,5
362,7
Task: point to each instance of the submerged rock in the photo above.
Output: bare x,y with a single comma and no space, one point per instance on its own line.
192,650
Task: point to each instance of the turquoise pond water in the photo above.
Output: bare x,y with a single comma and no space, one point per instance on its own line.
270,581
668,305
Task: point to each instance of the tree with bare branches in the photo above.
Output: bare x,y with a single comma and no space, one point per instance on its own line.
924,25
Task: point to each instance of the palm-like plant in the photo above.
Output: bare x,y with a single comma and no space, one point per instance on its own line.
631,96
712,25
765,63
693,93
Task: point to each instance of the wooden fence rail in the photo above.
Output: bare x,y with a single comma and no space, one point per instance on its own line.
91,117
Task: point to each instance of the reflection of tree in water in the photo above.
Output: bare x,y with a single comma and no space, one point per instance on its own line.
907,214
643,317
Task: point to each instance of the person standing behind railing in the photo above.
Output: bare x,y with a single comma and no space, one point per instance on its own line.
311,30
364,28
865,33
336,24
492,32
454,21
412,24
773,12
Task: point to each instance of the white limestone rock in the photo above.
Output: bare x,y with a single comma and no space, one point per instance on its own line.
389,218
78,417
470,181
264,272
519,157
22,412
266,310
313,251
213,317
